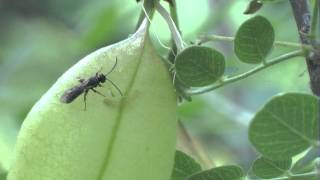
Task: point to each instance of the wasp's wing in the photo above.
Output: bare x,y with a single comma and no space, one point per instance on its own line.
71,94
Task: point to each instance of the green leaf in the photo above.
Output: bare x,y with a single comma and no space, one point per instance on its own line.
184,166
254,40
115,138
285,126
230,172
198,66
265,168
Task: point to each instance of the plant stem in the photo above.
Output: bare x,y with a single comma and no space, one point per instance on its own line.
147,12
191,144
174,16
313,33
204,39
235,78
302,17
173,28
307,159
304,175
301,13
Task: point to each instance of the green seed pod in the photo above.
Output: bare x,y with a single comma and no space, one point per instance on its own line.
116,138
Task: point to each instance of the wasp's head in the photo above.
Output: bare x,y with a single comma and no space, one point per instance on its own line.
101,78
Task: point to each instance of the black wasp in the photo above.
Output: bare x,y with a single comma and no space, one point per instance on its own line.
86,85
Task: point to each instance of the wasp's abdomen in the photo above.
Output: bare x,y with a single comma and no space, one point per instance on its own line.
71,94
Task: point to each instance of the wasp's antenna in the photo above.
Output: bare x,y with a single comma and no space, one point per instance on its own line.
115,86
114,66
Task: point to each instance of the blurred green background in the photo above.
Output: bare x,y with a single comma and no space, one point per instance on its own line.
39,40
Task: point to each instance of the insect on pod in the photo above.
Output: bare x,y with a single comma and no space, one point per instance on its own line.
86,85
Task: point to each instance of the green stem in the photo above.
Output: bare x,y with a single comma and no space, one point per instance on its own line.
173,28
306,160
146,12
174,16
235,78
140,20
304,176
173,13
208,38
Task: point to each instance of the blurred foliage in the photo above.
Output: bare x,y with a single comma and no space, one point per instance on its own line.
3,176
41,39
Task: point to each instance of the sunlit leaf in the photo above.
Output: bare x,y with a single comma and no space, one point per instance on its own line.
132,137
184,166
254,40
199,66
285,126
267,169
219,173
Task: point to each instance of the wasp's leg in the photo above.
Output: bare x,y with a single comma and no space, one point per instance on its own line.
100,85
85,99
97,92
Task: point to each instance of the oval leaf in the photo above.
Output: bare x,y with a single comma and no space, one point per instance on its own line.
198,66
254,40
220,173
285,126
265,168
184,166
115,138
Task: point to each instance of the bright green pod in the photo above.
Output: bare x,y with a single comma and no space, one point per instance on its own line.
116,138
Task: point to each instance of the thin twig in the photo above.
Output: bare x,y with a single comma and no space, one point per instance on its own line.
301,13
313,33
194,146
269,63
208,38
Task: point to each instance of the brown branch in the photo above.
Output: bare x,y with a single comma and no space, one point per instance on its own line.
191,145
302,16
